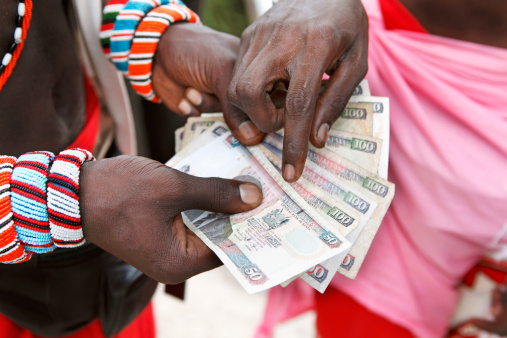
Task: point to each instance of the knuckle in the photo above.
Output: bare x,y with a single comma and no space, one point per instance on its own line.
299,102
220,193
245,89
232,96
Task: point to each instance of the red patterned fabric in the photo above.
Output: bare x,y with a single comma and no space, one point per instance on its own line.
397,16
340,315
142,327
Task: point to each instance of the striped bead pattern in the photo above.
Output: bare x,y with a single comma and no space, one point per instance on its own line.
11,250
111,10
28,200
125,26
8,61
63,198
145,42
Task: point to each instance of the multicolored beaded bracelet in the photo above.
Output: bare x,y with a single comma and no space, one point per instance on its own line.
145,42
126,24
28,201
11,250
9,60
109,14
63,198
124,27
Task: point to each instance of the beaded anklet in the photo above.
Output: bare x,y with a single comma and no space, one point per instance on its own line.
11,57
11,250
63,198
145,42
28,200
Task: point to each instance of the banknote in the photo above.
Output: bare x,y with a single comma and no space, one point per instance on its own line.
369,186
363,88
381,117
360,149
178,138
344,218
197,125
264,247
356,118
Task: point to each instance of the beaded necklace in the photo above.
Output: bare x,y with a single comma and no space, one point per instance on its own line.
8,61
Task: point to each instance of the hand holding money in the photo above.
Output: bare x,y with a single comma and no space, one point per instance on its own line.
311,228
128,197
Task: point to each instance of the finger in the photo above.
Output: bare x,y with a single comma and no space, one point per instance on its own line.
203,102
249,91
487,326
172,94
241,126
299,110
337,93
238,122
217,194
190,256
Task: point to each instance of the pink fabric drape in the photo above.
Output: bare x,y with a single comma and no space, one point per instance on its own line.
448,159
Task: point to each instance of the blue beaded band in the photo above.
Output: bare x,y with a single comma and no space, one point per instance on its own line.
29,201
125,26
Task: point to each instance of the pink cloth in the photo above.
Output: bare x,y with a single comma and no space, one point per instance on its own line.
448,159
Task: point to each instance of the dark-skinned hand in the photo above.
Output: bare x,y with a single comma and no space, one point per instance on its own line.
496,326
295,43
130,207
193,69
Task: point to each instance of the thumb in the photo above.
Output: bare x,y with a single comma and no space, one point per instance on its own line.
219,195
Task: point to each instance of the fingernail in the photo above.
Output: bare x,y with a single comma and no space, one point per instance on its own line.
322,133
185,107
250,194
248,130
289,173
194,96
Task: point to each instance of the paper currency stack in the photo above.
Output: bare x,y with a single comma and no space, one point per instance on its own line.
311,229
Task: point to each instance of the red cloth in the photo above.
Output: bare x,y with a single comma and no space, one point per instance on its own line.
349,315
142,327
88,135
397,16
340,315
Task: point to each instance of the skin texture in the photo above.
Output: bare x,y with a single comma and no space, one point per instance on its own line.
295,43
131,208
205,65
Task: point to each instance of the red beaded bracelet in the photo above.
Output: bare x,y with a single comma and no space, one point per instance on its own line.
11,250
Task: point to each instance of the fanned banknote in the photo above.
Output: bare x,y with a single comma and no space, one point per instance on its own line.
356,118
365,189
335,208
264,247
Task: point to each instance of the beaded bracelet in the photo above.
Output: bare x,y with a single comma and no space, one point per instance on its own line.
28,200
11,250
63,198
145,42
125,25
111,10
8,61
126,22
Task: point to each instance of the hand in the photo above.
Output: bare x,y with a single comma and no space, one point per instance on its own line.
130,207
193,69
496,326
295,43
